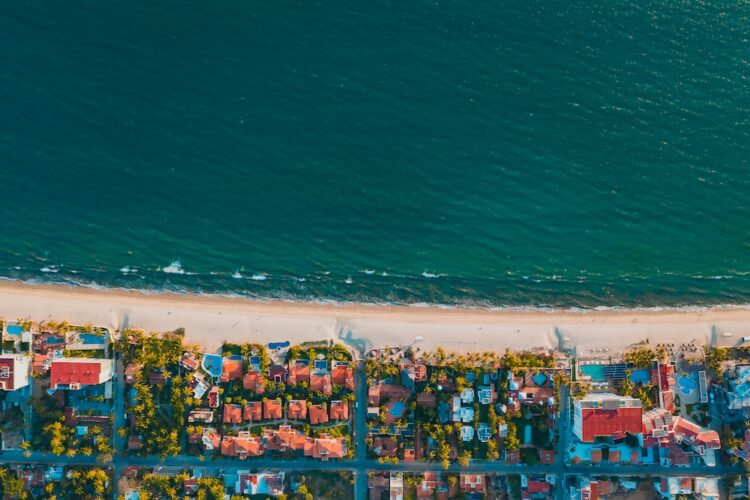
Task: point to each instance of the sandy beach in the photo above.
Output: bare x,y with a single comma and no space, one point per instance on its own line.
211,320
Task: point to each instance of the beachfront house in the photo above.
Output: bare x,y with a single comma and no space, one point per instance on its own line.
606,415
75,373
14,371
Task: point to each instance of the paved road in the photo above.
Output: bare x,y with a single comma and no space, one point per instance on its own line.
563,427
119,411
360,430
303,464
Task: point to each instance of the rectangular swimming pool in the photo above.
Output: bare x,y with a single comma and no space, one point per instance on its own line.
596,372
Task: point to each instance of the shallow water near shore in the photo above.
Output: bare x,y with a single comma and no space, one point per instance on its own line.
543,154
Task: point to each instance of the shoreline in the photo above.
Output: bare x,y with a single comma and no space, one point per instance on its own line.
211,319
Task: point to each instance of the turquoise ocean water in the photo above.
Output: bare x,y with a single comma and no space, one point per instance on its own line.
537,153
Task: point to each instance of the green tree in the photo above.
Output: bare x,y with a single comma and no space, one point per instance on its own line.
210,488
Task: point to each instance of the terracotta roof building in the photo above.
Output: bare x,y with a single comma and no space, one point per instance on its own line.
318,414
326,447
253,381
284,439
189,361
253,411
342,374
339,410
299,372
606,415
272,409
321,382
75,373
297,409
231,369
241,446
232,414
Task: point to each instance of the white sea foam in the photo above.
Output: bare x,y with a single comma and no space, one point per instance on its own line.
174,268
127,269
259,277
49,269
301,280
237,275
349,280
430,275
368,271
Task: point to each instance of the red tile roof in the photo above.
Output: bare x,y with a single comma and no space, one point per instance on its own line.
271,409
253,411
325,448
232,414
297,409
253,381
284,438
343,375
601,422
318,415
63,372
339,410
231,370
321,383
299,372
538,487
241,446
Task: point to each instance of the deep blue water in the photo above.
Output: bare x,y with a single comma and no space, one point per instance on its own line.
506,153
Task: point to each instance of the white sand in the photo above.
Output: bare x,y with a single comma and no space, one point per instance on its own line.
209,321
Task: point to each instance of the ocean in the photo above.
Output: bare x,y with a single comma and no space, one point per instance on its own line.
508,154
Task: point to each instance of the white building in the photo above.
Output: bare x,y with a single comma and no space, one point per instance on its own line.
14,371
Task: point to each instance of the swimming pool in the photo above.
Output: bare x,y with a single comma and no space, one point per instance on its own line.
14,329
539,378
687,385
596,372
54,340
640,376
278,345
398,409
90,338
212,364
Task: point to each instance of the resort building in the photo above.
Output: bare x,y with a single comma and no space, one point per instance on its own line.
14,371
606,415
75,373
